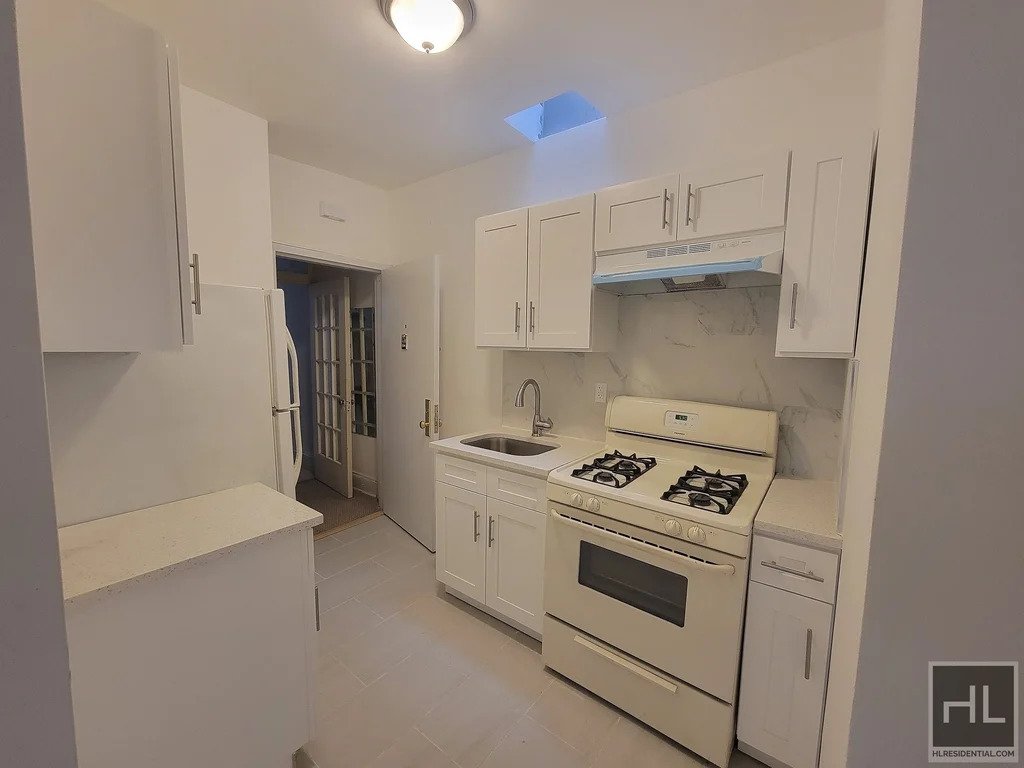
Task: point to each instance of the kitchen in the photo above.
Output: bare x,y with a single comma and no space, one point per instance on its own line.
783,373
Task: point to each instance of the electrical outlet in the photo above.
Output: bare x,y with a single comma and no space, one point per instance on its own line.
601,393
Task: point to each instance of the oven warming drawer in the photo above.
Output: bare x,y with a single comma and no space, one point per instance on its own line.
685,714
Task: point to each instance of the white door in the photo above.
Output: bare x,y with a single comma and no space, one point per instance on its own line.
409,385
743,195
824,256
636,215
501,279
111,273
560,257
515,562
785,660
461,540
332,384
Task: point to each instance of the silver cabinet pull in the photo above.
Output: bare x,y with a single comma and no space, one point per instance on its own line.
689,205
517,318
807,656
792,308
197,302
316,603
490,531
476,525
793,571
533,319
664,209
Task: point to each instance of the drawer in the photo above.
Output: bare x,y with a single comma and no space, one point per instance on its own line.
460,473
685,714
529,492
794,568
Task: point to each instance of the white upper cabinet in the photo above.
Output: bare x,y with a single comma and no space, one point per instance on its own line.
824,254
501,304
743,195
534,279
637,214
227,182
560,268
104,160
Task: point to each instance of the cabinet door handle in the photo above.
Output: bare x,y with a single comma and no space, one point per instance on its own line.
533,319
517,318
807,655
792,571
792,308
197,302
316,604
476,526
665,221
490,531
690,219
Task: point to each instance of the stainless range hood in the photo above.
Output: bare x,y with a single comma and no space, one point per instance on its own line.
731,262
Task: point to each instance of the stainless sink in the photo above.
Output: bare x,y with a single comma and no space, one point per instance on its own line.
508,445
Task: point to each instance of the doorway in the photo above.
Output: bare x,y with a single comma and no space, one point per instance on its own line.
331,313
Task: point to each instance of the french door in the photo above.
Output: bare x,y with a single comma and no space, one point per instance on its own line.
332,384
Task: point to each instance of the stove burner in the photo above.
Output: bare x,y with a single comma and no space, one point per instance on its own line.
615,469
714,492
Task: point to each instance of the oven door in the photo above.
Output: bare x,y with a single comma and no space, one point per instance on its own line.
678,609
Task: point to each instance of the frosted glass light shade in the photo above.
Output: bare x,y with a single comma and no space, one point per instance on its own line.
430,26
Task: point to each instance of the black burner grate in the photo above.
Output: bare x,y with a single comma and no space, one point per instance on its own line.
615,469
710,491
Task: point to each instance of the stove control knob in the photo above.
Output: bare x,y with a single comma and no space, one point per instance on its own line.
594,505
696,533
576,500
672,527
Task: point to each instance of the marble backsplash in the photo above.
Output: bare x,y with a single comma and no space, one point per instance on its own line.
710,346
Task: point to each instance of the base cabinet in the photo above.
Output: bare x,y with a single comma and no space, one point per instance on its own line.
490,550
785,653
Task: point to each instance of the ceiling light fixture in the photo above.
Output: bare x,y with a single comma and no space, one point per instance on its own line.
429,26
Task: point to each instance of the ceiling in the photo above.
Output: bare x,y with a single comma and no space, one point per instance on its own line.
343,91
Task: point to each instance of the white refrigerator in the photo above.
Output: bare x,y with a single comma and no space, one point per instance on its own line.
129,431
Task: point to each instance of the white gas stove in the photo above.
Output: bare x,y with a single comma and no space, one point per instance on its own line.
646,563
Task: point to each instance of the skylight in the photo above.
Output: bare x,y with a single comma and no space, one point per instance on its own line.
557,114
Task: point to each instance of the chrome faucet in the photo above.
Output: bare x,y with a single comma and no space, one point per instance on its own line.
540,424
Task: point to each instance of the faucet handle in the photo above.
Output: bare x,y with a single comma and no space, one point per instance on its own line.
540,424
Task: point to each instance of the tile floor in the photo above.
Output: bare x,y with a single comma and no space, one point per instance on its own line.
412,678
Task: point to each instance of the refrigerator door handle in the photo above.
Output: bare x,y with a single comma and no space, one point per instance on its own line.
293,358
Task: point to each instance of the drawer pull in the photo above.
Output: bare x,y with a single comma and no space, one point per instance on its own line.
792,571
807,655
626,664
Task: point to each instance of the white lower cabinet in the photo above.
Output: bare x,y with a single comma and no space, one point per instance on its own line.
515,562
491,550
785,658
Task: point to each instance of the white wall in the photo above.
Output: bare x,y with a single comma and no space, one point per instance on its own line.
227,187
827,88
901,37
946,570
366,235
36,724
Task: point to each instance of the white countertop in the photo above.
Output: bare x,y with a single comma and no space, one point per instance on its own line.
104,556
800,511
569,449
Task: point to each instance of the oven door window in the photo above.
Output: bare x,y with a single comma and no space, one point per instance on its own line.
644,586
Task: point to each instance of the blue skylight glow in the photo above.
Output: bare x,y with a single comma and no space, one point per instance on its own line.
557,114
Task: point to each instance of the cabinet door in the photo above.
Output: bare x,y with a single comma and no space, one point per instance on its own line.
100,158
560,266
515,563
461,539
501,279
743,195
785,661
637,214
824,256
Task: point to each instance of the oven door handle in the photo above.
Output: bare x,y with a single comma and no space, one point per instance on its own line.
725,569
